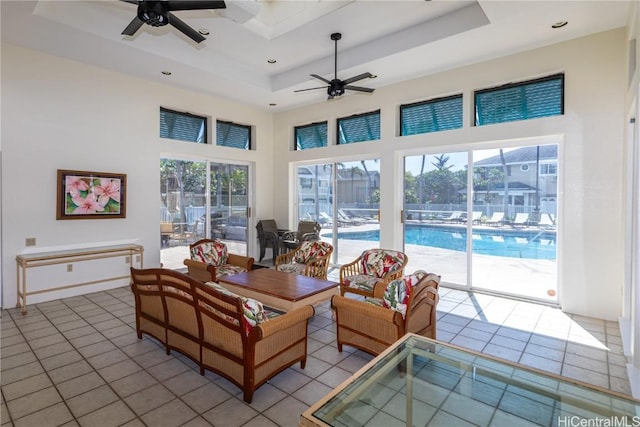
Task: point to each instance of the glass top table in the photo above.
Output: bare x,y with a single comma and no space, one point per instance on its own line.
420,382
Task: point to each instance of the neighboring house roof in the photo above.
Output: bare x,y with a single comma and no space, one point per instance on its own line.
522,155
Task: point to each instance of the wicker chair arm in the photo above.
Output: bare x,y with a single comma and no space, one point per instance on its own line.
350,269
283,322
200,270
284,258
241,261
379,289
365,311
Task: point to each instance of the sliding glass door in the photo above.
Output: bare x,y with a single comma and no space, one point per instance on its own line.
494,230
435,215
344,199
515,194
201,199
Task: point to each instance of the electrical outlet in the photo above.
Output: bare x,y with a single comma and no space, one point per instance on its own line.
137,258
30,241
127,260
69,268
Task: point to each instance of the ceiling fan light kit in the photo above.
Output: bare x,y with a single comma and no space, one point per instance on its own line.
157,13
337,87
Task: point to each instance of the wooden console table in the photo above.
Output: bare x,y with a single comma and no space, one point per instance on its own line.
41,259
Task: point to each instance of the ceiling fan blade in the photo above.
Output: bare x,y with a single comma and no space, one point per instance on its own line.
311,88
184,28
194,4
359,89
133,26
358,77
321,78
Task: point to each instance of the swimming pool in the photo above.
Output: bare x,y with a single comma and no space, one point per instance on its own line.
534,244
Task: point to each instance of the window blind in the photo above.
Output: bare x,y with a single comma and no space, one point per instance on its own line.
360,127
520,101
182,126
311,136
431,116
233,135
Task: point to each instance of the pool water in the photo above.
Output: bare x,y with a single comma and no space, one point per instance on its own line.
538,244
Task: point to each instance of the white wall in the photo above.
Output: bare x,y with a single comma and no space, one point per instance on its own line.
59,114
591,131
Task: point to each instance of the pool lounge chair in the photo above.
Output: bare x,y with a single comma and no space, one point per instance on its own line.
349,219
456,216
476,216
521,219
496,219
546,221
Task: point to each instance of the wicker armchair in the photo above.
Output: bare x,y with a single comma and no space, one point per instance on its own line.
220,331
210,261
373,265
311,259
404,305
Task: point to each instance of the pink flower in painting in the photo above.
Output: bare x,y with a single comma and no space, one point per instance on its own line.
87,205
75,185
107,189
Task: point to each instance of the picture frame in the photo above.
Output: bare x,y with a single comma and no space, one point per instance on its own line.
91,195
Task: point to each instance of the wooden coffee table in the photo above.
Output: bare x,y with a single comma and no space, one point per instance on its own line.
283,291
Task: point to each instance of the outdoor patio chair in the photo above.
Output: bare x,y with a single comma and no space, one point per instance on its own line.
269,236
350,219
307,230
496,219
372,266
404,305
310,259
210,261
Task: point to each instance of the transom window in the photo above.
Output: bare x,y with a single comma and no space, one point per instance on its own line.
182,126
359,127
233,135
520,101
431,116
310,136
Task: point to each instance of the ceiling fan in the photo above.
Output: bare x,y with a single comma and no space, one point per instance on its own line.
157,13
336,87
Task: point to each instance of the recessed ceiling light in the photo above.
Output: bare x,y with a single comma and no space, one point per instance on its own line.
271,61
203,31
166,73
559,24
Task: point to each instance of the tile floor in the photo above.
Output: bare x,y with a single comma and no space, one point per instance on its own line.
77,361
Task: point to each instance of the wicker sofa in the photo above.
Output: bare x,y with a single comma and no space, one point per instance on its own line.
220,331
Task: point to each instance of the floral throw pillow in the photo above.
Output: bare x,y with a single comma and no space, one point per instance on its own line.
214,253
382,262
310,250
253,312
397,292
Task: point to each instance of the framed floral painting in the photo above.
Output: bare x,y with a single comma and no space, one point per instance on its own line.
91,195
